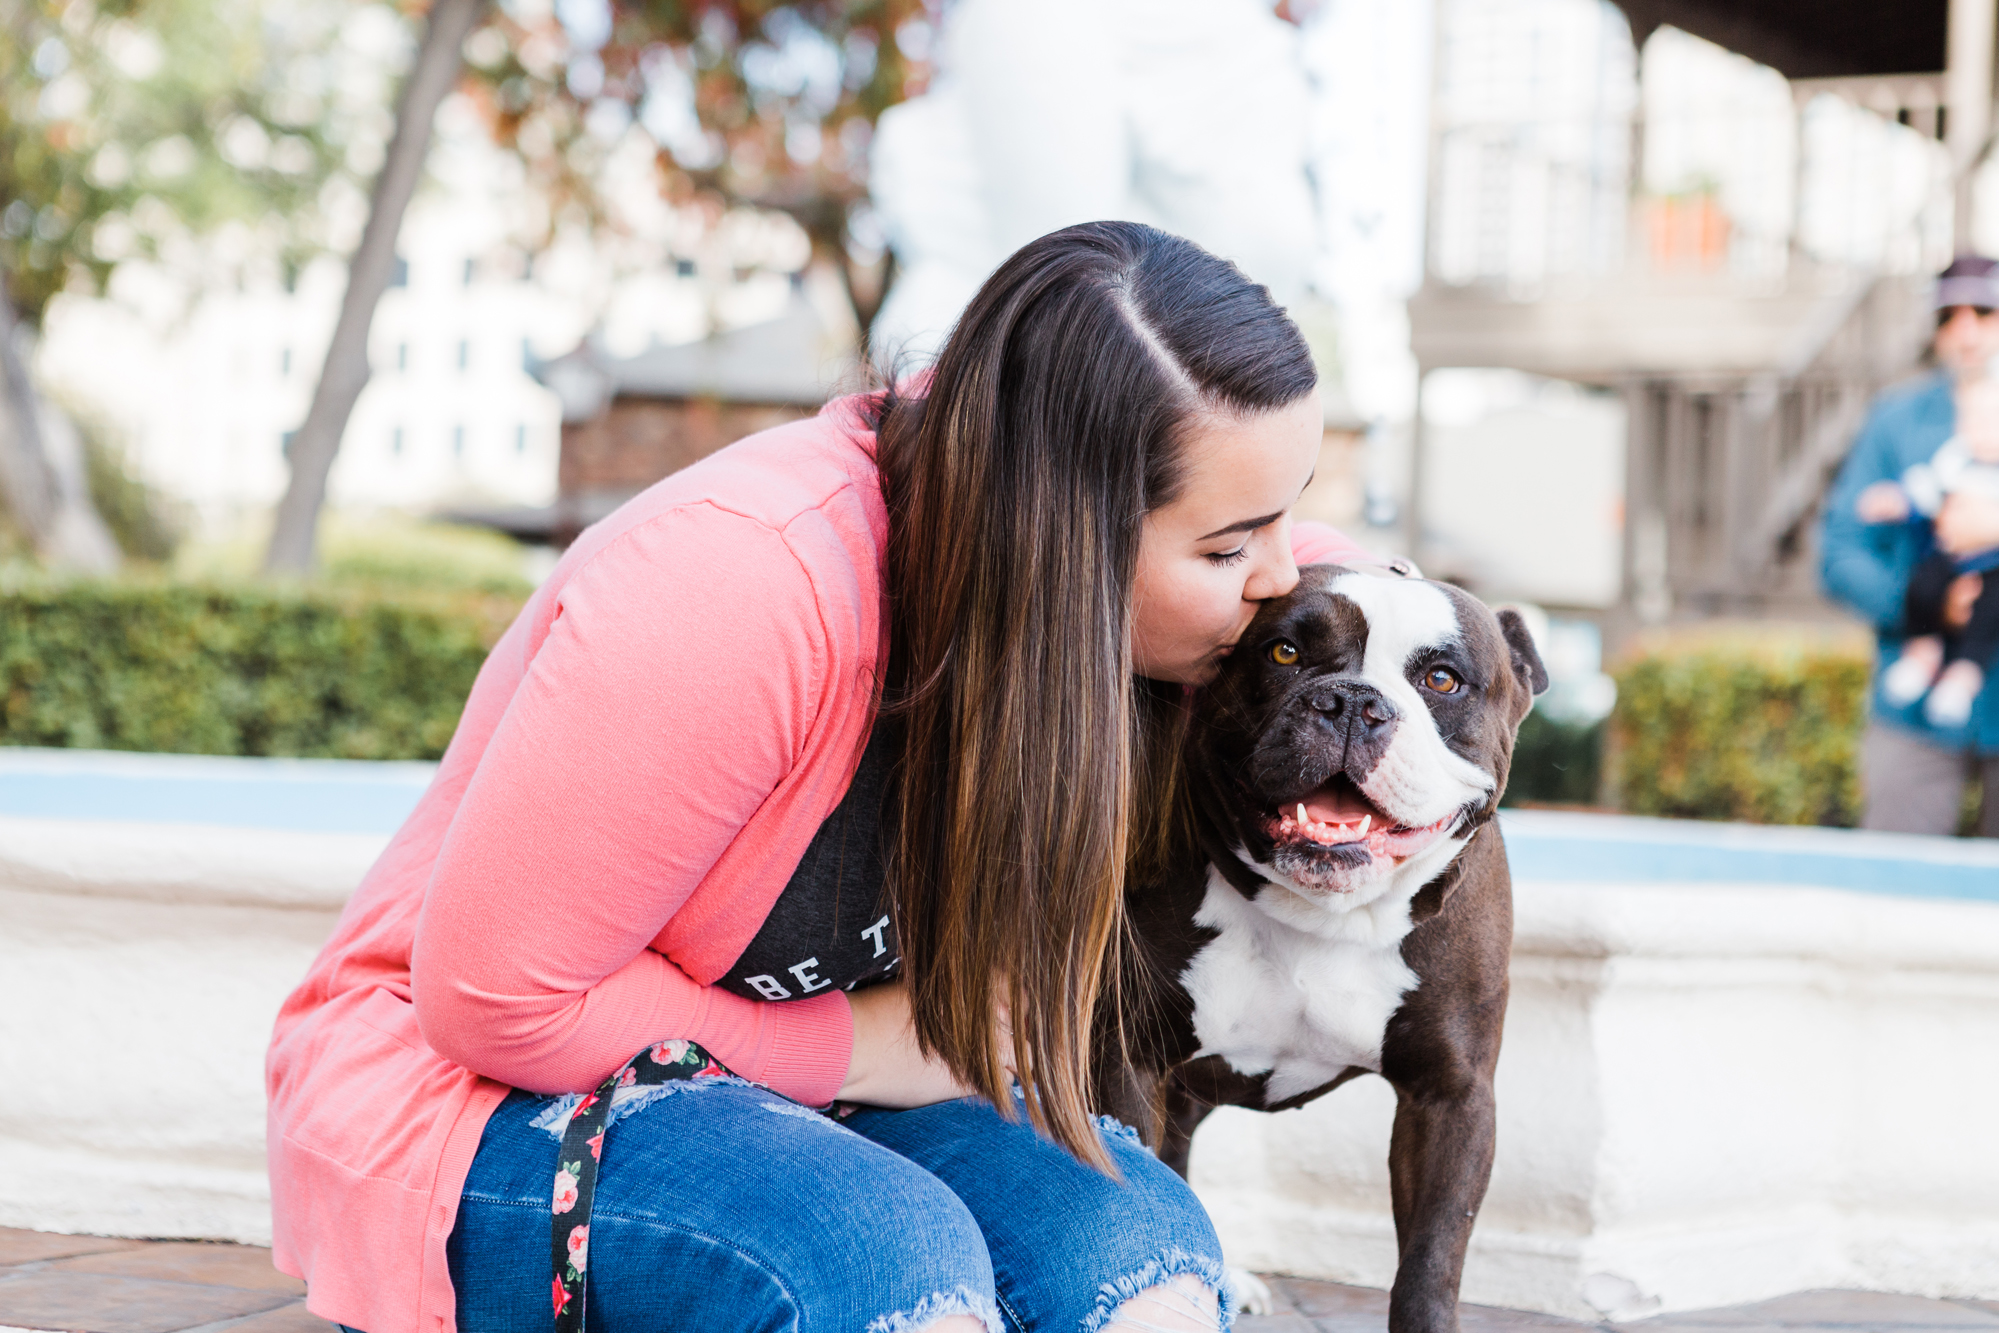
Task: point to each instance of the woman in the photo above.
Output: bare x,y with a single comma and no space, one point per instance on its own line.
657,825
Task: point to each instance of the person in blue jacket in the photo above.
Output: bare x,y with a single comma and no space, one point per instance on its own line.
1913,773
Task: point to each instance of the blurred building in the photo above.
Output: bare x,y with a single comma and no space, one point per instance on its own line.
206,369
1714,223
205,373
1649,259
628,421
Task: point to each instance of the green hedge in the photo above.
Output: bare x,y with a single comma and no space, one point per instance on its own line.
1556,763
253,671
1759,725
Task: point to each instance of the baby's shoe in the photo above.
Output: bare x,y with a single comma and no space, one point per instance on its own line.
1909,676
1951,698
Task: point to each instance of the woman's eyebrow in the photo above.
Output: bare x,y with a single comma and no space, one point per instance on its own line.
1247,525
1252,524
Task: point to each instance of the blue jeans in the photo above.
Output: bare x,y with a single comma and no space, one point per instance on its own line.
725,1207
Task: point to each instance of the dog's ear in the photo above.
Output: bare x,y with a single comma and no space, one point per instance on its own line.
1527,668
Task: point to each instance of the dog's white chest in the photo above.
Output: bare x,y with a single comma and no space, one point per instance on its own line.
1296,991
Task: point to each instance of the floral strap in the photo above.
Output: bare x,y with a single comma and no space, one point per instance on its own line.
583,1150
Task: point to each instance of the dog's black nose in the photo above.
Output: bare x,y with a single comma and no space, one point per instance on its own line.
1353,702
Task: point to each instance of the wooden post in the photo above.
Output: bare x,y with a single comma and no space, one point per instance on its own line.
1968,99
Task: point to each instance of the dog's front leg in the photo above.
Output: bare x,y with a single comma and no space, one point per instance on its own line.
1439,1052
1439,1160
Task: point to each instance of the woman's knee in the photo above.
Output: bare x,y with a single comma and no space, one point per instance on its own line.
1157,1263
1070,1245
1185,1303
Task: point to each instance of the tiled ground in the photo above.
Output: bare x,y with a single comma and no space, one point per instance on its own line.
131,1286
1325,1307
88,1284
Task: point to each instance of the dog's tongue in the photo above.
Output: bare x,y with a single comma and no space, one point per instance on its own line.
1338,802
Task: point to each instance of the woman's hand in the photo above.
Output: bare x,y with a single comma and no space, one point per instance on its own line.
888,1068
1967,524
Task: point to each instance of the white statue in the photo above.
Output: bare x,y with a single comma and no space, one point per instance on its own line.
1189,115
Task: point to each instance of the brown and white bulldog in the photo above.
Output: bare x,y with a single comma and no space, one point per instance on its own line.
1336,901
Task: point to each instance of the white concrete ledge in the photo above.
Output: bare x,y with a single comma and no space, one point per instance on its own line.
188,864
141,968
1708,1094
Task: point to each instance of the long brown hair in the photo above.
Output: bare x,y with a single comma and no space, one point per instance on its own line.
1017,485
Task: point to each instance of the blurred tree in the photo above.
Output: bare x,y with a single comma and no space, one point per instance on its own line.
764,103
748,102
345,371
123,127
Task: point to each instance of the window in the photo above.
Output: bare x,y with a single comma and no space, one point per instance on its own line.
458,441
471,267
399,276
396,442
464,353
684,267
402,356
285,361
285,443
527,355
521,438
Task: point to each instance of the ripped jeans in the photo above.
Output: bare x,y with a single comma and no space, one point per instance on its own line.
727,1208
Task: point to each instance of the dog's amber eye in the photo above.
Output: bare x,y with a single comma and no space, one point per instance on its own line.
1284,654
1443,680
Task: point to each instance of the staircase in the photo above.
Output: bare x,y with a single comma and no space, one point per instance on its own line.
1746,364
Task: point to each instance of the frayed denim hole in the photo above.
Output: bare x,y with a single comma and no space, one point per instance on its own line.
1113,1128
798,1112
1164,1267
940,1305
554,1118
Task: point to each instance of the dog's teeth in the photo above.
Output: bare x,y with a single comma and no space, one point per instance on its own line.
1365,820
1303,818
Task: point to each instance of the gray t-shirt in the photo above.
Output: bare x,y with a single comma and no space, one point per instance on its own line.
830,927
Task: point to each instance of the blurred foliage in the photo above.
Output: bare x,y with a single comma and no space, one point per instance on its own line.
125,123
385,553
392,554
1556,763
144,522
217,670
1762,726
747,102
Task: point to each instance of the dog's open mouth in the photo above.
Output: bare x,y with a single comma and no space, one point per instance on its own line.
1340,816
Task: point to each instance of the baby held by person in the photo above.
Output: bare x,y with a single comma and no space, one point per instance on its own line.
1947,664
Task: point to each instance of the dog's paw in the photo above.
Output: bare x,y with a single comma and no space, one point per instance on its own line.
1248,1293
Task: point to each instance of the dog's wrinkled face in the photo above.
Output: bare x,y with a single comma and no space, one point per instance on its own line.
1361,722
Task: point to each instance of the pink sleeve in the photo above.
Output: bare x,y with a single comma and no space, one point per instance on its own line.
672,694
1318,544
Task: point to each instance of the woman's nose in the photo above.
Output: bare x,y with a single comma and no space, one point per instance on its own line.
1276,573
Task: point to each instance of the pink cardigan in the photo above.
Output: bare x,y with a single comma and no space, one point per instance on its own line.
645,756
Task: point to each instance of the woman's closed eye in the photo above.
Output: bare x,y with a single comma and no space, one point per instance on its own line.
1235,557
